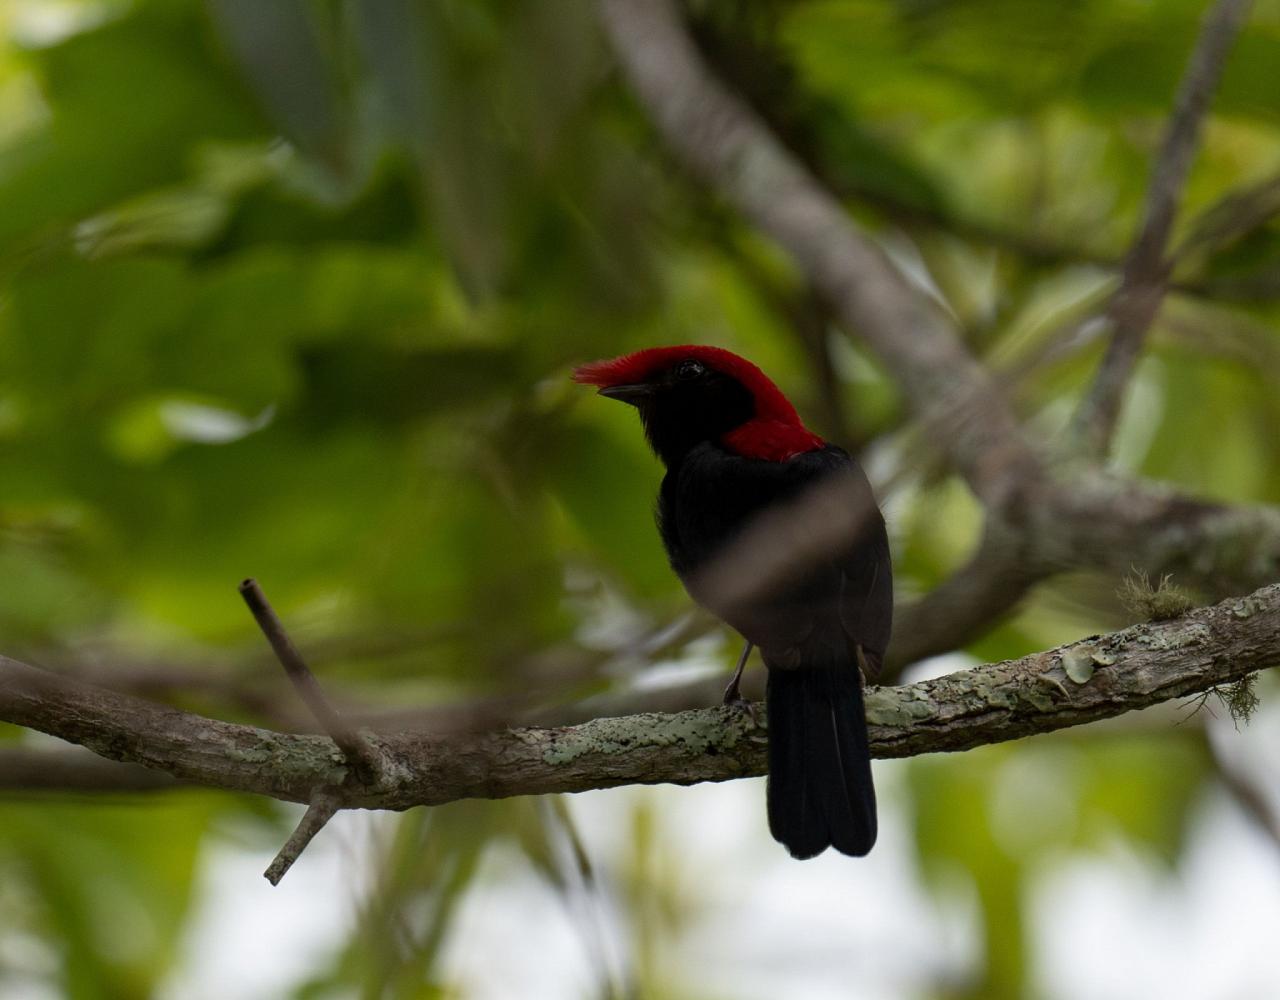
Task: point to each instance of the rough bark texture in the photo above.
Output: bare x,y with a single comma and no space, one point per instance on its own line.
1136,667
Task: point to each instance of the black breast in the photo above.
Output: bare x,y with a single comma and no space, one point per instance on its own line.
710,499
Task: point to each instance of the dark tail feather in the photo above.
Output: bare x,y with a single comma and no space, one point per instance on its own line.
820,792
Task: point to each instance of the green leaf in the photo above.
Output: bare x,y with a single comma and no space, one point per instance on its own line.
90,154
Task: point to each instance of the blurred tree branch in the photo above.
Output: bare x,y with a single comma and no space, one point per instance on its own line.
1096,678
27,769
1252,799
986,588
1144,278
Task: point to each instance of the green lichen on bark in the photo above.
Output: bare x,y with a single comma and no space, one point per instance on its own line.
1002,686
293,760
698,731
898,706
1247,607
1078,664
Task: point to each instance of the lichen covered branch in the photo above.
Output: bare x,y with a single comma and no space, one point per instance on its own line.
1081,682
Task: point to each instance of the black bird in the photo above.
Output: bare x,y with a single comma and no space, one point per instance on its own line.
739,463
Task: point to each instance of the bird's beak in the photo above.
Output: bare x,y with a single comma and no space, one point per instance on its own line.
633,394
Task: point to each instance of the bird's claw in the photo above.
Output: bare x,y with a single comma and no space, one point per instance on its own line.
740,705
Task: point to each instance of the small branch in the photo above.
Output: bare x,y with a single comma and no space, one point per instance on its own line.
357,751
1222,23
364,766
1113,523
1133,668
1146,269
318,813
1251,799
1233,217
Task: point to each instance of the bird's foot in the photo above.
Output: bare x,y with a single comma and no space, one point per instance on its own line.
734,701
744,707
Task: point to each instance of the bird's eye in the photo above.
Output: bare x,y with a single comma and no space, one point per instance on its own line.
686,370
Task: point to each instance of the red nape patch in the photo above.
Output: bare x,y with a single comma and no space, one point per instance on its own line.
771,440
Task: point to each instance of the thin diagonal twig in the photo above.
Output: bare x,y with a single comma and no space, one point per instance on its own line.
321,810
1145,275
360,755
362,759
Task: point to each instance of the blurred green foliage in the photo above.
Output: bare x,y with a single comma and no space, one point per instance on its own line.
291,290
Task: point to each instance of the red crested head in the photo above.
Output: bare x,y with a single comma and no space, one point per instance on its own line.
693,393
